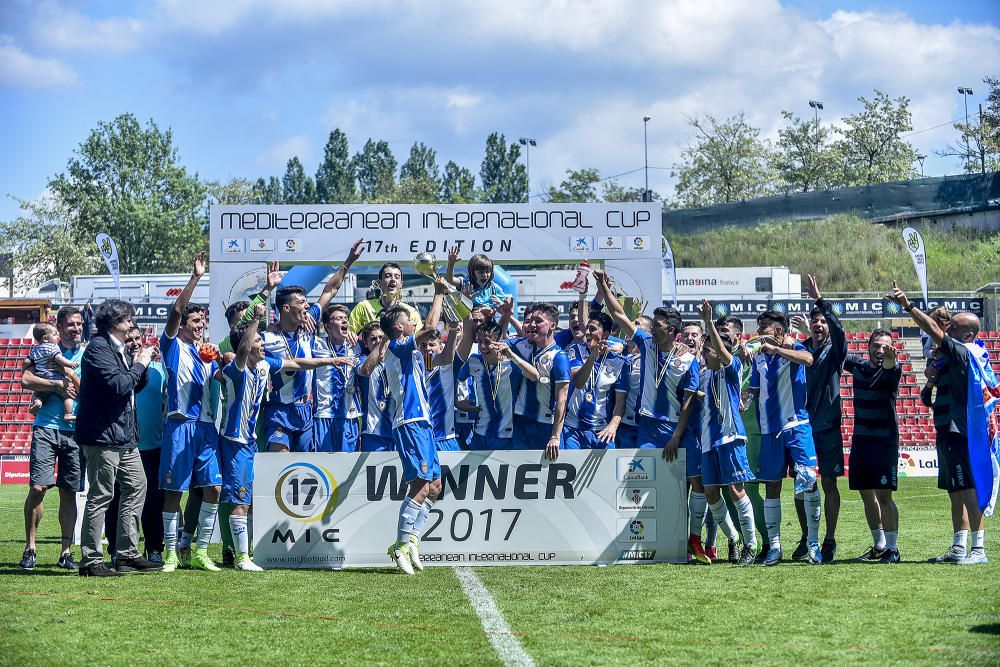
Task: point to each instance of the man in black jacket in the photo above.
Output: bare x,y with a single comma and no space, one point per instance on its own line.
106,429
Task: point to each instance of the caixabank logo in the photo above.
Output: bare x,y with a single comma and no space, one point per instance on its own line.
306,492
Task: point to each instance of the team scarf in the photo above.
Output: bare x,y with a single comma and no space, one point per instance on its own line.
983,413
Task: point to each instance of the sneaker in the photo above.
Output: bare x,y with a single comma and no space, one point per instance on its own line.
828,550
229,558
171,562
28,560
801,551
712,553
695,551
975,557
184,556
889,556
747,556
873,554
955,554
200,560
773,556
244,564
415,554
399,553
99,570
66,562
735,550
137,564
814,556
154,557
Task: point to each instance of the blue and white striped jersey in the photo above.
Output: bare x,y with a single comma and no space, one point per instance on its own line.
633,401
404,370
537,400
188,385
289,386
441,396
496,388
720,411
590,408
782,384
244,393
665,378
336,387
377,405
464,391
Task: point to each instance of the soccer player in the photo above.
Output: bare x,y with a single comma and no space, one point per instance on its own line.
874,461
190,438
693,336
376,399
597,395
288,418
778,383
723,442
957,348
439,360
247,377
669,388
390,280
412,433
628,431
338,405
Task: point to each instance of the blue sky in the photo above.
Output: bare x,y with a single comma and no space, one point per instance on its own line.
245,85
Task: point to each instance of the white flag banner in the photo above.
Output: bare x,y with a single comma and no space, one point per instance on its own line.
915,244
669,270
109,251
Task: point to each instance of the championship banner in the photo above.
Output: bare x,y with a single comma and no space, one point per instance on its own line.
109,252
496,508
915,245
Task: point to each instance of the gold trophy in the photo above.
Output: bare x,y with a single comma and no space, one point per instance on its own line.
633,306
456,306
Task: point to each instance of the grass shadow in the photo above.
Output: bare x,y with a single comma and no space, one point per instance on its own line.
986,629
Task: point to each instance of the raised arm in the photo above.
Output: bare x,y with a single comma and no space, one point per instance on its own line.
434,314
447,355
614,308
337,279
469,329
450,274
725,356
249,337
838,339
920,318
184,298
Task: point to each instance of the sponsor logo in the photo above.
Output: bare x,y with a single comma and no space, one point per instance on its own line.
638,469
609,243
261,245
636,499
637,554
913,241
233,246
636,530
637,243
581,243
289,245
306,492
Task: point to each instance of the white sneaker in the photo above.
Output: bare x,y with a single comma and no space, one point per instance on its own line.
414,546
399,553
244,563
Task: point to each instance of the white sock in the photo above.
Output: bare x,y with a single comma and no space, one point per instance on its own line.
170,521
409,513
961,538
745,509
238,524
977,539
772,519
813,504
878,535
186,538
206,523
890,539
721,515
698,505
425,510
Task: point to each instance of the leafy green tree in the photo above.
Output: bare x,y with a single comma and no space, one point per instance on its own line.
458,185
335,176
580,185
726,162
978,145
872,149
803,156
504,178
293,184
126,180
613,191
375,168
419,177
235,192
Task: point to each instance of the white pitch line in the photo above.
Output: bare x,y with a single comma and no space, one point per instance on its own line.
507,646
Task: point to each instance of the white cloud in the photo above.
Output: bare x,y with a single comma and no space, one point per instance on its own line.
277,156
23,70
61,29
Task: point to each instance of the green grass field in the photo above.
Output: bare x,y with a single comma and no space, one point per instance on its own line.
846,612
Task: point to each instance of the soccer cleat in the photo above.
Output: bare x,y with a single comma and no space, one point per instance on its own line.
712,553
244,564
874,554
171,562
801,551
695,551
975,557
814,556
228,557
955,554
201,561
747,556
828,550
889,556
773,556
399,553
735,549
66,562
184,556
28,559
415,554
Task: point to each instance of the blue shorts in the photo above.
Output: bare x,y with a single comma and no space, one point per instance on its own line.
290,426
447,445
415,444
335,434
627,436
693,454
464,433
376,443
578,438
726,464
483,443
529,434
237,471
783,451
189,455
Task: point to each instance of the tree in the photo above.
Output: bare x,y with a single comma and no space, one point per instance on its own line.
803,157
293,183
335,176
978,145
578,186
613,191
125,180
458,185
726,162
419,179
504,178
872,149
375,169
236,192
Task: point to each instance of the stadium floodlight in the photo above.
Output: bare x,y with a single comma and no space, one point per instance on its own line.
920,158
816,106
646,195
965,92
527,142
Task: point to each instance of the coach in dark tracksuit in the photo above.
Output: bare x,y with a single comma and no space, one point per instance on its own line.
828,345
106,429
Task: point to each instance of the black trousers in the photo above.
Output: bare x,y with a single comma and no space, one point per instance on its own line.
152,511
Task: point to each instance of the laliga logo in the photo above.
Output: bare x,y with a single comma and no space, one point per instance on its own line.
636,527
306,492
